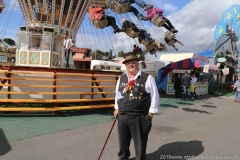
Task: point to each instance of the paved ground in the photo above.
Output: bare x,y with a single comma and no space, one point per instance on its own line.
207,128
17,127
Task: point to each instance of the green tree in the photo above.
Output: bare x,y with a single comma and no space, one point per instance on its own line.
9,41
98,55
120,54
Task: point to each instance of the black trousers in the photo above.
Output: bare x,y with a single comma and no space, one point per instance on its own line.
111,21
66,55
195,95
169,25
177,93
136,127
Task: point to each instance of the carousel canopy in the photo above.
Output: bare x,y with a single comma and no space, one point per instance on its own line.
190,63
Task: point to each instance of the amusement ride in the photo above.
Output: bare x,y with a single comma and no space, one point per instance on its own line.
48,20
40,74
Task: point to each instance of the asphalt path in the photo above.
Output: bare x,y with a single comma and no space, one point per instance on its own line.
206,130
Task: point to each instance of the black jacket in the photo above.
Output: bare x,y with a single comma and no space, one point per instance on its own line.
127,24
177,83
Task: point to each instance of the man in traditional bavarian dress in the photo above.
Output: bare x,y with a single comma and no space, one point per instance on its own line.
136,101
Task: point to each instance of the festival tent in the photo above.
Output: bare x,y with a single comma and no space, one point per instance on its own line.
190,63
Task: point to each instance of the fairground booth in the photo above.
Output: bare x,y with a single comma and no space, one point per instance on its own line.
196,64
82,58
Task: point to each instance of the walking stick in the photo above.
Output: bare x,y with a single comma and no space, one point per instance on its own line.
107,138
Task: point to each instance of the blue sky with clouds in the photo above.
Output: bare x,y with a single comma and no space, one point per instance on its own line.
195,19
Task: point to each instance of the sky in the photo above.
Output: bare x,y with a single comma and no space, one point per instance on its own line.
195,21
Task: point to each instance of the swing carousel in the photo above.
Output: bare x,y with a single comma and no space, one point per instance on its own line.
39,76
121,42
47,21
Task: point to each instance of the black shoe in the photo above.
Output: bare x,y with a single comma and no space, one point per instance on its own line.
116,30
148,6
120,30
143,18
174,30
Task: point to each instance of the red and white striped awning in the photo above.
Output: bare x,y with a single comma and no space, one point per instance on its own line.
79,57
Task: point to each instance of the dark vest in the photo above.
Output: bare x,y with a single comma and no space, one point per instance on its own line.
136,102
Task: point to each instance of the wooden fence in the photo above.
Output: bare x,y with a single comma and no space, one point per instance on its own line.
48,90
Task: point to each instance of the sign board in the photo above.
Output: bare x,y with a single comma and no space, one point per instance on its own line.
206,68
143,64
225,71
180,71
218,64
82,50
24,46
3,58
221,60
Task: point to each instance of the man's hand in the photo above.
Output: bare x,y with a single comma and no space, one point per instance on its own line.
115,113
150,115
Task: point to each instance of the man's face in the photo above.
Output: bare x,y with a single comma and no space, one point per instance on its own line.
65,35
132,66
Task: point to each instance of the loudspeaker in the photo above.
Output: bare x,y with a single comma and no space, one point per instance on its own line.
23,28
48,29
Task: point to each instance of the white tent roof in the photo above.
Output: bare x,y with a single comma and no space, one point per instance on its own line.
175,57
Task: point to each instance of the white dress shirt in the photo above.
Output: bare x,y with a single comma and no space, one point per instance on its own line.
68,43
150,87
193,80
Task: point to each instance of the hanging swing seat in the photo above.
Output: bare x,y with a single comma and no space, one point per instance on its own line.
153,51
151,47
160,47
2,4
171,43
158,21
131,33
120,8
170,35
99,24
99,4
145,43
